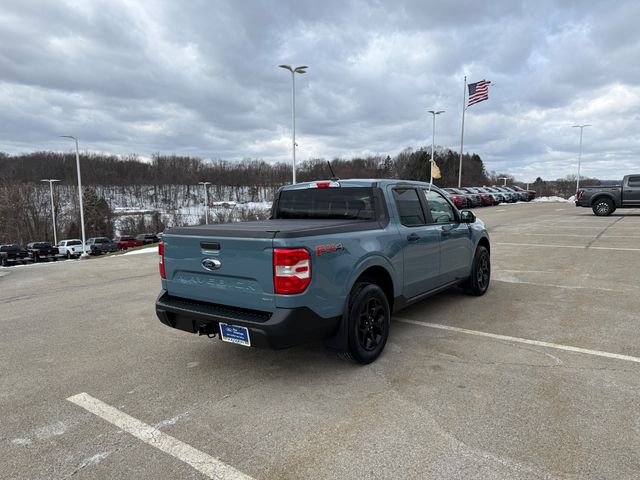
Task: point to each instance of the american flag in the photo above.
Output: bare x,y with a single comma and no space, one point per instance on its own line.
478,92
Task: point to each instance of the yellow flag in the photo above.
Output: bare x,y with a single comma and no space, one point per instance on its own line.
435,170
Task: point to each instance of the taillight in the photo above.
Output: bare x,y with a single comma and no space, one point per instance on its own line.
578,194
291,270
161,257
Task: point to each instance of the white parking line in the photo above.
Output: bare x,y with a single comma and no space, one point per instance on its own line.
538,343
202,462
583,247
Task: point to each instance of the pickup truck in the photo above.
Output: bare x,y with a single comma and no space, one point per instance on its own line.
100,245
39,251
333,262
70,248
604,200
12,254
125,242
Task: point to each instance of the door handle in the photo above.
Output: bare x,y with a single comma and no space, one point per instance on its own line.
413,237
445,233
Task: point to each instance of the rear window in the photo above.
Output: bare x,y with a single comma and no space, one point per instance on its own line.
346,203
41,245
74,242
126,237
634,181
102,240
9,248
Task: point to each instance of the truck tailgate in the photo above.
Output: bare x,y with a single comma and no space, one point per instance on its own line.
224,270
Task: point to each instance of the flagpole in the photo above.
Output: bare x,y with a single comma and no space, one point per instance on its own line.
464,108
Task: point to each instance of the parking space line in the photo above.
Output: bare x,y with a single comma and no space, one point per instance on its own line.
568,348
583,247
202,462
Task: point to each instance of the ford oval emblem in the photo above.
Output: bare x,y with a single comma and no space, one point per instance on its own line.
211,264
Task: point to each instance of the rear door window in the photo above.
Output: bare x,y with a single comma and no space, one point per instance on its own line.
409,207
634,181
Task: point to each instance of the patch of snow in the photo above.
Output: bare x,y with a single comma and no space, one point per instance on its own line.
49,431
170,421
551,199
153,249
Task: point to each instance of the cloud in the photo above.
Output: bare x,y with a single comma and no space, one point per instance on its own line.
201,78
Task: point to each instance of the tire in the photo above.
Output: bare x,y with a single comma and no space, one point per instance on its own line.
478,282
603,207
5,263
369,318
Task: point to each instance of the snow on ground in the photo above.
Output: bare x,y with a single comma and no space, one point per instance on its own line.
153,249
551,199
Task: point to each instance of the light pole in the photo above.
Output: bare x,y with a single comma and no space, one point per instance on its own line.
84,247
294,70
206,200
53,210
433,142
504,183
581,127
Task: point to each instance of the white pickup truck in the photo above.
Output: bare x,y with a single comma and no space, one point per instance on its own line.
70,248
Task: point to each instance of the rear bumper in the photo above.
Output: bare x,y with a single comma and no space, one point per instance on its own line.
283,328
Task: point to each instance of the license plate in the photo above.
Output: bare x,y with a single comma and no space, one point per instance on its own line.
235,334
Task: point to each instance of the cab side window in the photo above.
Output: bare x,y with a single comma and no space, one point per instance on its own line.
441,210
634,181
409,207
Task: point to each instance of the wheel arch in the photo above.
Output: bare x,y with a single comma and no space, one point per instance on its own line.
601,196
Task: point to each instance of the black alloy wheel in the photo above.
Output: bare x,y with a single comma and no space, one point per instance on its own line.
478,282
603,207
368,318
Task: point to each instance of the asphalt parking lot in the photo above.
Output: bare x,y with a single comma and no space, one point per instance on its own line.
467,388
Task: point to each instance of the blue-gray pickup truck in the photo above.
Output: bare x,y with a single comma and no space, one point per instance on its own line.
333,262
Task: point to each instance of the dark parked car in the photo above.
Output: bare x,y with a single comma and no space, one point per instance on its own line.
148,238
13,254
496,198
486,200
39,251
100,245
474,196
531,194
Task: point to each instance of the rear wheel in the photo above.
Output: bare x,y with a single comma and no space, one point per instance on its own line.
4,262
603,207
368,319
478,282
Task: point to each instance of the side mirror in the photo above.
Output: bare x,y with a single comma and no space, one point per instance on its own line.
467,217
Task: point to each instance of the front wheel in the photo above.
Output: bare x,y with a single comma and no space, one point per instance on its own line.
478,282
603,207
368,319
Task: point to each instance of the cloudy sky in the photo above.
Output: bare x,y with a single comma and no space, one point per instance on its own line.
201,77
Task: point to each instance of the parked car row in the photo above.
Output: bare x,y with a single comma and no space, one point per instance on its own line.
471,197
13,254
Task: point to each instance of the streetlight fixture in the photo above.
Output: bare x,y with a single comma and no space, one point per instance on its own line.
581,127
206,200
53,210
84,246
301,69
504,183
433,142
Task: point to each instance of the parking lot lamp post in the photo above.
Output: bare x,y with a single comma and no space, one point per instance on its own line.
206,200
504,179
53,210
84,240
581,127
301,69
433,142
